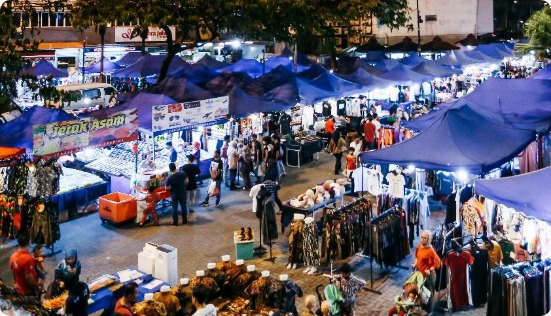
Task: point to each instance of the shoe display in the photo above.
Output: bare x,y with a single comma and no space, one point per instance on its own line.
249,234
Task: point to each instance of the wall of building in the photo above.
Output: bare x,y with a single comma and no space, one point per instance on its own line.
446,18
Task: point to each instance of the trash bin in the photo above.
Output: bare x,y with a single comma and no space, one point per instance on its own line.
117,207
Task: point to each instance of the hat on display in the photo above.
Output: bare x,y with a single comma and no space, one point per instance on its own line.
200,273
284,277
211,265
148,297
184,281
239,262
251,268
265,273
226,258
165,289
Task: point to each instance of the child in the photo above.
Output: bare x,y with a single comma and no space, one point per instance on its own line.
38,255
350,161
151,200
403,304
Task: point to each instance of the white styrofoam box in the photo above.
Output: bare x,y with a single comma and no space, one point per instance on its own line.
146,262
150,248
166,264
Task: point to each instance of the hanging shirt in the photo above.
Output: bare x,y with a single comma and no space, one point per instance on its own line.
285,124
396,183
307,117
326,109
366,179
341,107
353,108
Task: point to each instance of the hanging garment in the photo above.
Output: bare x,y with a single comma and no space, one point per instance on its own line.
218,276
396,183
291,290
459,294
311,245
243,281
269,224
296,239
479,277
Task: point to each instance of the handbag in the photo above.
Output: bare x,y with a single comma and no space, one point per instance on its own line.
215,192
211,187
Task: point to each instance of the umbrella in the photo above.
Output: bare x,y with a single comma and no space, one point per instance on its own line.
406,45
44,69
371,46
470,40
438,45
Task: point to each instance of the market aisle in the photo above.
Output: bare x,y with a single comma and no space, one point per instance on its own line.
108,249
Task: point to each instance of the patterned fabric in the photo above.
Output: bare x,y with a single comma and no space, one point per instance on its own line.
150,308
170,301
311,245
208,283
349,287
183,293
17,179
218,276
296,242
242,282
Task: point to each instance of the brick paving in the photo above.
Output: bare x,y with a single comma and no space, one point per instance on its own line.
107,249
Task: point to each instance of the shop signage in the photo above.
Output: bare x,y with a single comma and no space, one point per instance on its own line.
181,116
129,34
66,137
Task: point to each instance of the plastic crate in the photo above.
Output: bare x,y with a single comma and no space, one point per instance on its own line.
243,249
117,207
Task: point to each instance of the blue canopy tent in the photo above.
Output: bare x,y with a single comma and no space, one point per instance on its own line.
108,66
130,58
309,94
404,75
431,68
143,101
149,65
462,139
368,80
544,73
284,61
19,132
276,77
224,83
504,47
387,64
210,62
330,82
483,58
249,66
44,69
181,90
491,51
301,58
527,193
313,72
422,122
412,60
522,103
286,93
196,73
374,56
455,58
242,104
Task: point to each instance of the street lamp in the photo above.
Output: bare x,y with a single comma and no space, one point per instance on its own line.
419,21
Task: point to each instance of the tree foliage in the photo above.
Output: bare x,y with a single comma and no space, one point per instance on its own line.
538,28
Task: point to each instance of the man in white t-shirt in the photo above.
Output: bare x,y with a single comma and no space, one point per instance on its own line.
199,298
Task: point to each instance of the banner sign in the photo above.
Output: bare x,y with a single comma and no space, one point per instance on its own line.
129,34
181,116
65,137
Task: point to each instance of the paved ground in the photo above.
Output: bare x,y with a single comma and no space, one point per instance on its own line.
106,249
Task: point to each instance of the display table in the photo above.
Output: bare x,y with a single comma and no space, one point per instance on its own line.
103,298
80,197
297,154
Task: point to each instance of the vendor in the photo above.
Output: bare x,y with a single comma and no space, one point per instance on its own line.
128,299
173,153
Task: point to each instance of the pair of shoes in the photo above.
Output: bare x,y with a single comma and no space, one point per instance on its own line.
174,224
249,234
156,223
191,211
185,222
204,204
241,235
218,204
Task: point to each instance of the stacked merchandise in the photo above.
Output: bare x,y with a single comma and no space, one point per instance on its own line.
13,303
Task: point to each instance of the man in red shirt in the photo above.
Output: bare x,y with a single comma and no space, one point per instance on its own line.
369,133
128,299
23,267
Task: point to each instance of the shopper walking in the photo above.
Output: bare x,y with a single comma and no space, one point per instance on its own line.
427,262
337,146
270,157
192,171
233,157
216,176
23,267
257,157
279,155
245,168
177,183
224,156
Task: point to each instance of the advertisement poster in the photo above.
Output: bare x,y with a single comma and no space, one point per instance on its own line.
66,137
124,34
181,116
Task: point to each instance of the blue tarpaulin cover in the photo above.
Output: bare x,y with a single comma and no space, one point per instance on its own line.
19,132
412,60
249,66
284,61
368,80
196,73
242,104
431,68
210,62
108,66
528,193
492,51
149,65
462,139
455,58
131,58
545,73
404,75
44,69
181,90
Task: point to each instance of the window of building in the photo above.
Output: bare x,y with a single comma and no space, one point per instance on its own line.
35,19
45,19
431,18
60,19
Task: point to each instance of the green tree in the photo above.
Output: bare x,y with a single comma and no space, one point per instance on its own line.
538,28
13,41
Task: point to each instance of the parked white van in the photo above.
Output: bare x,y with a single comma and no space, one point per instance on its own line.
86,95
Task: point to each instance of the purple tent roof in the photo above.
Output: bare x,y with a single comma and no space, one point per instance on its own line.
313,72
44,69
329,82
19,132
455,58
149,65
299,90
424,121
387,64
224,83
108,66
131,58
402,75
284,61
210,62
276,77
368,80
436,70
143,101
472,142
491,51
544,73
196,73
181,90
413,60
302,59
525,193
479,56
249,66
242,104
